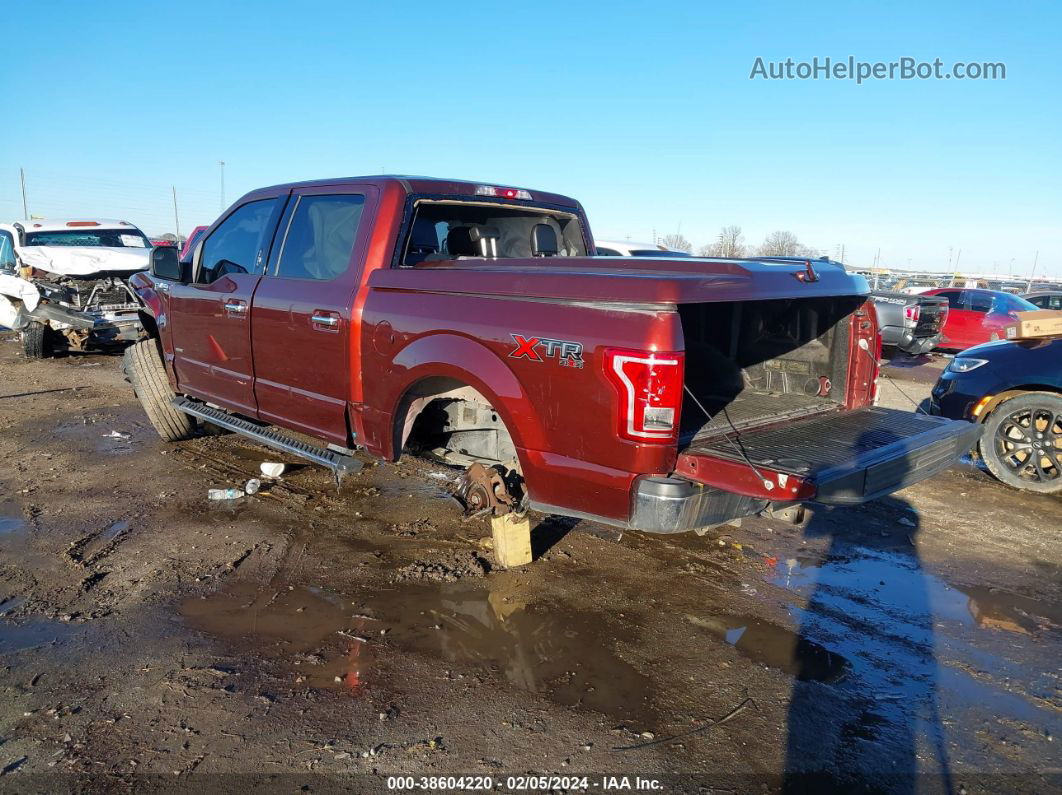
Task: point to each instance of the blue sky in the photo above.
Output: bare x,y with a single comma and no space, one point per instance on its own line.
645,112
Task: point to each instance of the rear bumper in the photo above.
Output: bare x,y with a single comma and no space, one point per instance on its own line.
907,341
676,505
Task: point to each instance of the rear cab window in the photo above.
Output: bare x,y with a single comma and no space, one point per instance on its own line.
452,229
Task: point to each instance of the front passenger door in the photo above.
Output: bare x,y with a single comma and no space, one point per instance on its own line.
210,318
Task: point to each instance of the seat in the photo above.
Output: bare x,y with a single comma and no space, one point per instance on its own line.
423,241
544,241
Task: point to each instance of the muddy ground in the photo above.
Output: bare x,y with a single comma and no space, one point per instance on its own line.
304,637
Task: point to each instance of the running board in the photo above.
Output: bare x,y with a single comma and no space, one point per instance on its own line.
341,465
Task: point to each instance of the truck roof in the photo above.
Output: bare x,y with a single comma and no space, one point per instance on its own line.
432,186
64,224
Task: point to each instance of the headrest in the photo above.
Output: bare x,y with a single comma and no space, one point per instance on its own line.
485,232
543,241
459,242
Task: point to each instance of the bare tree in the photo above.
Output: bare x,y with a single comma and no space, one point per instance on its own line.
781,244
729,243
677,242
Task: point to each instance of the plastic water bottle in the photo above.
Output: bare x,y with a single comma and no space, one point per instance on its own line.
224,494
252,486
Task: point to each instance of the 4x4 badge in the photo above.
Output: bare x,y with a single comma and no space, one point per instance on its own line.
567,353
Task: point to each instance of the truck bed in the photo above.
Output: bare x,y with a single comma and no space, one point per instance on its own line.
746,409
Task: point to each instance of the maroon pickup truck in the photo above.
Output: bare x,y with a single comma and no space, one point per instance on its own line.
471,323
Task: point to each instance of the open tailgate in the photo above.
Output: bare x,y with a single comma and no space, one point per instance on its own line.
838,458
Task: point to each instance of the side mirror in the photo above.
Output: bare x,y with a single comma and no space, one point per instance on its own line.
165,263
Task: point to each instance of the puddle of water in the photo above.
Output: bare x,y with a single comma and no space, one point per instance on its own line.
895,582
776,647
567,656
32,634
12,525
913,640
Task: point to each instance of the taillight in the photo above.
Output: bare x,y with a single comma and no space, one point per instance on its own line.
911,314
650,391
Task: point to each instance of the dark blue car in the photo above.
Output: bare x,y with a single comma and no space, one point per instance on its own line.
1014,388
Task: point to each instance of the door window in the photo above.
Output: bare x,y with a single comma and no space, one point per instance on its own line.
236,246
320,237
954,298
7,252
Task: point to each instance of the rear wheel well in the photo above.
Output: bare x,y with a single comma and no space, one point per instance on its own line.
452,421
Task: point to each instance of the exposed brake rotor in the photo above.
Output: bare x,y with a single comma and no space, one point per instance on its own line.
483,491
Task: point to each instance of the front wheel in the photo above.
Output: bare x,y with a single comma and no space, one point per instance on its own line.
143,365
1022,442
37,341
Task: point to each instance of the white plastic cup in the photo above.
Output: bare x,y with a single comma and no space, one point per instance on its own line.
271,469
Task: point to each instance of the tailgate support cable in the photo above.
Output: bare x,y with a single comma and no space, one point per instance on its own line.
768,484
911,400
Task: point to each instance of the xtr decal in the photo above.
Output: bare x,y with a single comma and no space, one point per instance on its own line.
567,353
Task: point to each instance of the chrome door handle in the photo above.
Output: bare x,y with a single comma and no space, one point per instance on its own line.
325,320
233,306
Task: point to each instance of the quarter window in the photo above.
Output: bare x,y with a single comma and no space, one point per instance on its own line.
320,237
236,246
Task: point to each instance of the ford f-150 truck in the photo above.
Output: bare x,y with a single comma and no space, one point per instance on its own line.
470,322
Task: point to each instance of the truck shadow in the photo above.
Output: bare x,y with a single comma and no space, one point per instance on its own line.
867,599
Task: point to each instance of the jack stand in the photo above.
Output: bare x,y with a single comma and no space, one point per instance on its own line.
512,540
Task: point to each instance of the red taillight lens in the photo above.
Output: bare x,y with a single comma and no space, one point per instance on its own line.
911,314
650,392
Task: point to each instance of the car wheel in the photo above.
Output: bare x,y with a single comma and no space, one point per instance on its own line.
37,341
1022,442
143,366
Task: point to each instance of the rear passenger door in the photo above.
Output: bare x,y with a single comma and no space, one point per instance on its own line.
301,314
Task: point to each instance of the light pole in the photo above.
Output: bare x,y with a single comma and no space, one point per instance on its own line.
221,163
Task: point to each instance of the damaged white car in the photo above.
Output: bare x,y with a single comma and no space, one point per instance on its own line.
63,283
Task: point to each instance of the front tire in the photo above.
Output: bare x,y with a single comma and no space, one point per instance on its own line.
37,341
143,365
1022,442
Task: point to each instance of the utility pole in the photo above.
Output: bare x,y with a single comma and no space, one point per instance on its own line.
221,163
1032,275
176,220
22,179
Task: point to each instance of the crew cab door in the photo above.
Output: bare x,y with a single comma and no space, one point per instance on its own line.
209,319
301,313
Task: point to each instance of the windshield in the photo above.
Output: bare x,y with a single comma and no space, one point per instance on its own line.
110,238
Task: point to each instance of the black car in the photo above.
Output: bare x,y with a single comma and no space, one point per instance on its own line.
1013,388
1045,299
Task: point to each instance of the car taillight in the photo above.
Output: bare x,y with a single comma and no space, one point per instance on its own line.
650,391
911,314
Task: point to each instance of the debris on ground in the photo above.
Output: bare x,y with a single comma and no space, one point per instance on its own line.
458,566
272,469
